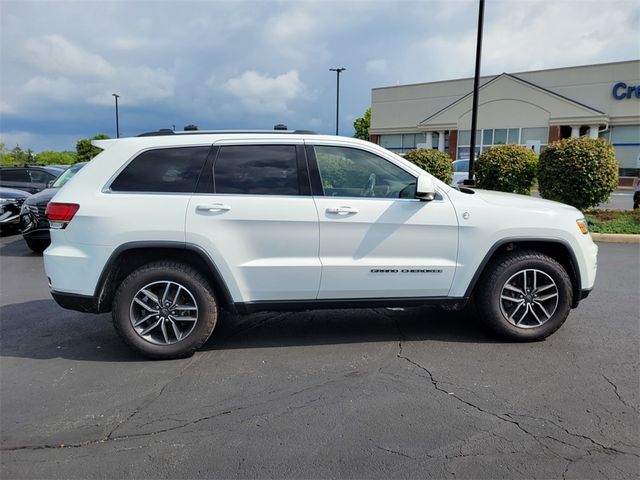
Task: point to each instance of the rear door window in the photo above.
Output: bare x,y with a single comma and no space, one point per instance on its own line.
14,175
40,176
256,170
165,170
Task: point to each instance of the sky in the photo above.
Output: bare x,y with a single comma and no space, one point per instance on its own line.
253,64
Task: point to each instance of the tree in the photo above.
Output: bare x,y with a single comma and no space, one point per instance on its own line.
85,151
362,124
20,157
50,157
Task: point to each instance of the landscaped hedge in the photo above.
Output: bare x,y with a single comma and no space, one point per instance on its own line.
506,168
435,162
578,171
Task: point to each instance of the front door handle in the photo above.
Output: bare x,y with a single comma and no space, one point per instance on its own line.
342,210
213,207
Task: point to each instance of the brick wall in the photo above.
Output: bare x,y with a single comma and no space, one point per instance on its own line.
554,133
453,144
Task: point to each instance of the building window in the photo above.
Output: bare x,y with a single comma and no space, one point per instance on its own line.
488,137
391,142
626,141
402,143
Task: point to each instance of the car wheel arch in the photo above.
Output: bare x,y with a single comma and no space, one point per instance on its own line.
130,256
558,249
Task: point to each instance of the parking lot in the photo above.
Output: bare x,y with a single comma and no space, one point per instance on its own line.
370,393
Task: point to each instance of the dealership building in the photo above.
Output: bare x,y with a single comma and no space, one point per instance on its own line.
531,108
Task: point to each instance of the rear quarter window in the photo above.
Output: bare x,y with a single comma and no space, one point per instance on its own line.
166,170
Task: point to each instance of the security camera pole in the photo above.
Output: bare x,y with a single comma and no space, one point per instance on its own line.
474,111
337,70
117,119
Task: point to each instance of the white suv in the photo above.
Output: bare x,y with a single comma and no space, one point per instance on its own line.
166,228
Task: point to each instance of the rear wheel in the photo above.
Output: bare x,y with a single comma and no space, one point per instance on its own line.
165,310
525,296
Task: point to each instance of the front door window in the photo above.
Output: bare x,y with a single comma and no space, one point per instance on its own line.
349,172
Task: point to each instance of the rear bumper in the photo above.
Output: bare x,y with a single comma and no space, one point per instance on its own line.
37,235
72,301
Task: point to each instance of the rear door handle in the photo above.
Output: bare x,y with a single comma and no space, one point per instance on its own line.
214,207
342,210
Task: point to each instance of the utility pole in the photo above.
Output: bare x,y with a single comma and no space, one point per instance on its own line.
337,70
117,118
474,111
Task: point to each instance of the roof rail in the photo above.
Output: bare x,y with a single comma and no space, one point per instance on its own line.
168,131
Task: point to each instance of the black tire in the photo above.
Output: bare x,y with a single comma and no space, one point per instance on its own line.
187,277
38,246
491,305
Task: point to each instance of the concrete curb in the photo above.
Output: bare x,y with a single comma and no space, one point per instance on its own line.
615,237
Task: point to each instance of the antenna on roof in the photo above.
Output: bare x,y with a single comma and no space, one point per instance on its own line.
280,126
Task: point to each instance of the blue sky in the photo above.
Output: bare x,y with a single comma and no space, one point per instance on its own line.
252,64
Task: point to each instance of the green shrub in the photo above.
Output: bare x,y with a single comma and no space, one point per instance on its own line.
506,168
435,162
578,171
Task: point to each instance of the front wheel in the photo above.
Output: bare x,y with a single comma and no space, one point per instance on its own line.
525,296
165,310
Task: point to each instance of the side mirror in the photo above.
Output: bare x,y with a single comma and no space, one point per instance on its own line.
49,183
425,188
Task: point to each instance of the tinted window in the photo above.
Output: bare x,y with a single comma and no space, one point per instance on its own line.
40,176
257,170
349,172
14,175
163,170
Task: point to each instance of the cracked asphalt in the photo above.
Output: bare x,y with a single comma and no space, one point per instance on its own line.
369,393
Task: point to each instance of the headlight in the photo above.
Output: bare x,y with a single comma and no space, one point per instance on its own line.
583,225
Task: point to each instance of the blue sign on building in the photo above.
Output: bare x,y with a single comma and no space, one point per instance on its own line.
621,91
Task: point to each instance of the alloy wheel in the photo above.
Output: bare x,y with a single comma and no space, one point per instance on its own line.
163,312
529,298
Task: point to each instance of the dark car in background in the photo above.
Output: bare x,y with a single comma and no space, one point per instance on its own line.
11,201
31,179
34,223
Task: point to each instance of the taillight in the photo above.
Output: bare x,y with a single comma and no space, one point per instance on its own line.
59,214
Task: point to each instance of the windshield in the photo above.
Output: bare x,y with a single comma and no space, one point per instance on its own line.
66,175
461,166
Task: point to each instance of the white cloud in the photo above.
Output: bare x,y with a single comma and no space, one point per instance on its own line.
6,107
376,66
135,85
55,54
264,94
550,34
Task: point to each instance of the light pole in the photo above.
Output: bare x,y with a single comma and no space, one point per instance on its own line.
474,110
337,70
117,119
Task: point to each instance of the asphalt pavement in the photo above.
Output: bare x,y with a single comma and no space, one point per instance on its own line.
369,393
